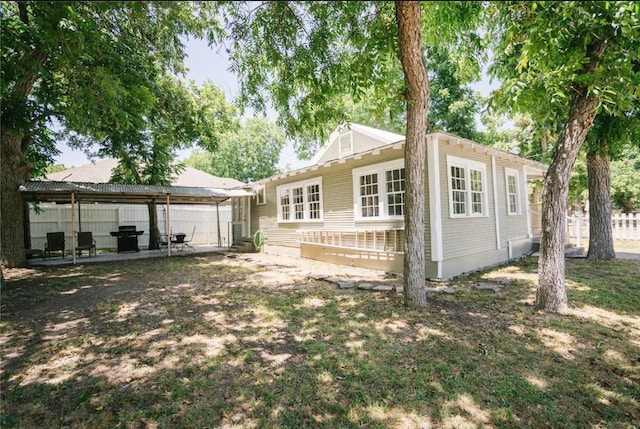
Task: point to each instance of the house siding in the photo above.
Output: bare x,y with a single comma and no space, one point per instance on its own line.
337,202
468,243
471,243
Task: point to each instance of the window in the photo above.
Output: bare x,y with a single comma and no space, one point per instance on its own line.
284,205
261,195
467,187
395,192
313,194
379,190
369,200
513,206
300,201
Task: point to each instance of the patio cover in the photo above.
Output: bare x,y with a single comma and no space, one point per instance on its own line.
74,192
61,193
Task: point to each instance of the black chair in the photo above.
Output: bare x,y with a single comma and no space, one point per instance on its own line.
55,243
162,241
177,241
186,242
86,242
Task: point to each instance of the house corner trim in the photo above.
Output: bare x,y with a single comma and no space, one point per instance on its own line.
435,198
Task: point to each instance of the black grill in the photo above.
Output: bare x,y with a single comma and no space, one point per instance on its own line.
127,238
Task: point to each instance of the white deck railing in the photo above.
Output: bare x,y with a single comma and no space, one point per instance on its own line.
380,240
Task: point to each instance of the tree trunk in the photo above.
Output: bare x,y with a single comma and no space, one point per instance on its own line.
552,294
27,226
417,95
600,231
14,170
153,226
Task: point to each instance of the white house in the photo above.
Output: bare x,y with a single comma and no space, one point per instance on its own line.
348,207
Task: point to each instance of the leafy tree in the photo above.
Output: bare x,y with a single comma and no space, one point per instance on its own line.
625,180
568,60
252,153
302,55
608,138
82,63
175,116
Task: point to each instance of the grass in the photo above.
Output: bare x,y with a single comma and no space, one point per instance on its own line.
203,342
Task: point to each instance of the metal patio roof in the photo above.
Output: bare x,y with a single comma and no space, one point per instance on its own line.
60,192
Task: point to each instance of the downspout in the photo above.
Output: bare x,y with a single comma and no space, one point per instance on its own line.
435,202
495,201
525,196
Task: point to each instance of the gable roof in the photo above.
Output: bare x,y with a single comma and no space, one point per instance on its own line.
100,172
535,169
374,138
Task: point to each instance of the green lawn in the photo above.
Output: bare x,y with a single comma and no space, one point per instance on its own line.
206,342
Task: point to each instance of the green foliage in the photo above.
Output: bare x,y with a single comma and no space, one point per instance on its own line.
453,104
55,168
541,49
91,65
318,54
249,154
625,180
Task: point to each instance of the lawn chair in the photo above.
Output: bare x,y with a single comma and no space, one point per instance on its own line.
86,242
55,243
162,241
186,242
177,241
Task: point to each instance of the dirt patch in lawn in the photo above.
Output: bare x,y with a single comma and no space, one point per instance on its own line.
254,341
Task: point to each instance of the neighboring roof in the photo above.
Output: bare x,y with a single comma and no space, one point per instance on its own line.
535,169
100,172
60,192
382,136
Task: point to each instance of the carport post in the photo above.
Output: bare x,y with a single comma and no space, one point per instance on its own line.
73,227
167,221
218,222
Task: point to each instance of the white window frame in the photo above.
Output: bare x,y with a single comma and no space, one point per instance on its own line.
468,165
512,172
261,194
381,170
306,215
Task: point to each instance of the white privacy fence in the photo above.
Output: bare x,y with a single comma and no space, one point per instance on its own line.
101,219
624,226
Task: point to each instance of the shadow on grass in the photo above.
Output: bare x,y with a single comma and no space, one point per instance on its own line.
206,342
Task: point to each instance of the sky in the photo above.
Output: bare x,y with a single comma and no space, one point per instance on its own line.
208,63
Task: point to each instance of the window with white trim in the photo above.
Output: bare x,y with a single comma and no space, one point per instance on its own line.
513,194
467,187
313,200
379,190
300,201
284,204
261,195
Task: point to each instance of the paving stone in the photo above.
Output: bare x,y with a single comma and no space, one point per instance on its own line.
489,286
383,288
366,286
433,289
318,276
449,290
345,284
